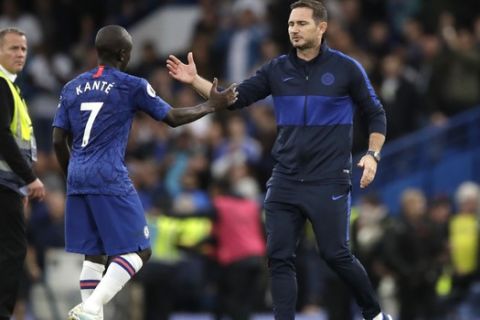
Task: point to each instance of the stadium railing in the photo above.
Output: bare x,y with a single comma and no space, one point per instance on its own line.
435,159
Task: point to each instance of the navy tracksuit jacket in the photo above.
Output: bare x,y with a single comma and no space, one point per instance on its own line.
314,106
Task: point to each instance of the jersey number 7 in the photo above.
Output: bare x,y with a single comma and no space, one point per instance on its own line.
94,108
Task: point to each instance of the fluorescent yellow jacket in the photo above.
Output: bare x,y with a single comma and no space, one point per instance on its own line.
464,237
22,131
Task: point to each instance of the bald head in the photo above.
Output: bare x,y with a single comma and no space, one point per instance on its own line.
113,44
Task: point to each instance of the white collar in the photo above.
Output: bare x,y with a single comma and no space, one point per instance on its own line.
11,76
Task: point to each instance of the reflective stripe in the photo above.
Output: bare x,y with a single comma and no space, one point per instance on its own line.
22,144
4,166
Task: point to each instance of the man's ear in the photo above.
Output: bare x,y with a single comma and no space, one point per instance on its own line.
323,26
121,55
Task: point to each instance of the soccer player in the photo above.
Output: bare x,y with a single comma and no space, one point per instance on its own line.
104,216
315,91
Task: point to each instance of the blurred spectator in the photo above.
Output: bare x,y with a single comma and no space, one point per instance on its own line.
428,78
191,200
242,181
177,161
241,41
464,240
239,147
412,253
173,279
412,34
240,250
460,69
379,40
403,105
440,212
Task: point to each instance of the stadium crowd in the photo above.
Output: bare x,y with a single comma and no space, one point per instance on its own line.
423,58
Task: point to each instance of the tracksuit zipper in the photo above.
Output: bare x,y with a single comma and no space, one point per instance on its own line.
304,115
306,99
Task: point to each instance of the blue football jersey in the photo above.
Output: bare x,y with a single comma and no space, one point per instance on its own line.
97,108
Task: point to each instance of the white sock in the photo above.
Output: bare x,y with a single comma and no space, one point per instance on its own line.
120,270
90,277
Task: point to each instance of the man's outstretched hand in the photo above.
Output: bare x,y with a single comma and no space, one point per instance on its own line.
222,99
180,71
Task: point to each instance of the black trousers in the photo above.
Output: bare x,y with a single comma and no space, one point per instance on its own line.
240,288
13,247
288,205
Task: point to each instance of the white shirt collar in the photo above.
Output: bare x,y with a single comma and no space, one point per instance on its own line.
11,76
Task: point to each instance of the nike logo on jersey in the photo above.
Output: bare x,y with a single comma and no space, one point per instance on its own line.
334,197
287,79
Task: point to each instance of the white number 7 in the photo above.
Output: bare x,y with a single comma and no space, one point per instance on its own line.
94,107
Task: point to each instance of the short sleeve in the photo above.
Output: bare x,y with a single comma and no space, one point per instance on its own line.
61,116
147,101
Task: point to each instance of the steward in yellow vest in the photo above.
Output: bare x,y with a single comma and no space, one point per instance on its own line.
17,152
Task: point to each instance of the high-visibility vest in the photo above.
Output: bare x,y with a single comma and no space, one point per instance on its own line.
22,131
168,233
463,240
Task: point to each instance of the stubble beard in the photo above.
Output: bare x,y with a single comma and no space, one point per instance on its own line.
305,46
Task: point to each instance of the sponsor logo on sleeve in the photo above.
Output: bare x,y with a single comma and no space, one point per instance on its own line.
146,232
150,91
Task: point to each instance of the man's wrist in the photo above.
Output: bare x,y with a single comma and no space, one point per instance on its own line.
374,154
208,107
196,81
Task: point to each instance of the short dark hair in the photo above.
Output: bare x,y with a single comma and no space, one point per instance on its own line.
110,40
319,10
5,31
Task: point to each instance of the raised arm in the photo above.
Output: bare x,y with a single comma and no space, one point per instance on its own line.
250,90
216,101
187,73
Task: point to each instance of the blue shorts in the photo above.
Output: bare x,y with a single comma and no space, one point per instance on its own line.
105,225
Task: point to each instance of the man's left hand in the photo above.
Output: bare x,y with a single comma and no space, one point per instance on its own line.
369,166
222,99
